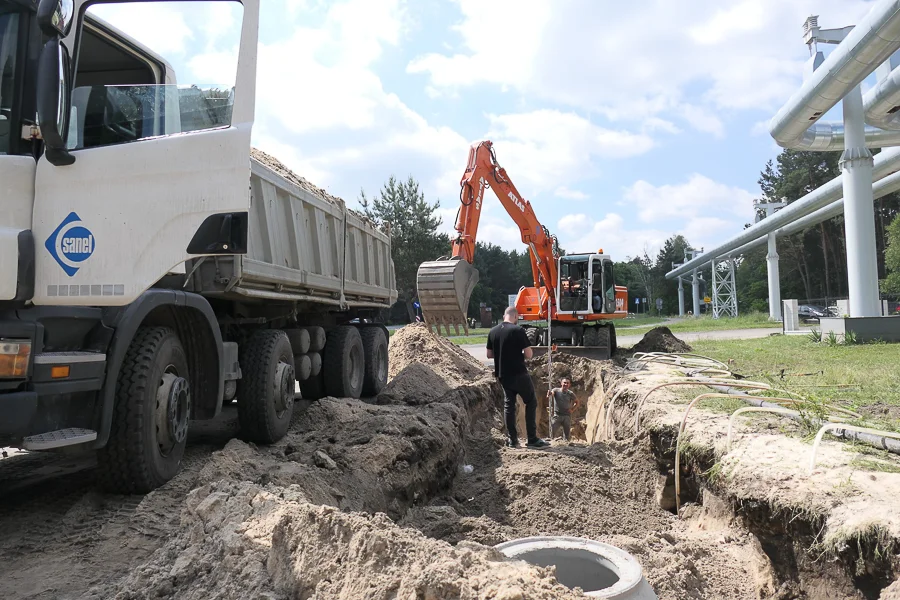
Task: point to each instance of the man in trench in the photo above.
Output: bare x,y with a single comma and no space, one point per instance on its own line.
562,405
508,345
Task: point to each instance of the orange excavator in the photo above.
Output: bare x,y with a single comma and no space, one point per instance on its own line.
574,299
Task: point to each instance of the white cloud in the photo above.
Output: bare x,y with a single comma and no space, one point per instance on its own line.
637,60
583,233
564,192
699,196
549,146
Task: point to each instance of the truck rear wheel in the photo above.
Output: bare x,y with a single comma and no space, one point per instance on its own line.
375,348
265,395
150,416
532,334
344,363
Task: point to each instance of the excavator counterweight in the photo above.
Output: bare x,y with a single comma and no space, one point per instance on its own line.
445,286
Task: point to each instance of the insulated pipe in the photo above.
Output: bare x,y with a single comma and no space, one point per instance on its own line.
880,103
774,279
886,163
823,137
870,43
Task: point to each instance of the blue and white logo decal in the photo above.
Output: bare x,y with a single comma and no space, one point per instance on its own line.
71,244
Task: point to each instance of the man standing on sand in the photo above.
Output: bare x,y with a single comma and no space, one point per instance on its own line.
508,345
564,403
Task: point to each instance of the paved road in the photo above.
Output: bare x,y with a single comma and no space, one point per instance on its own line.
478,350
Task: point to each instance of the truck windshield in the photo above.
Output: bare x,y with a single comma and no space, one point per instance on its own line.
9,27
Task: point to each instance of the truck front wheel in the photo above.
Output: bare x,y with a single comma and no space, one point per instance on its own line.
265,395
344,363
150,416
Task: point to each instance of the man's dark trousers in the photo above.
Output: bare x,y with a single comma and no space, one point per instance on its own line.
520,385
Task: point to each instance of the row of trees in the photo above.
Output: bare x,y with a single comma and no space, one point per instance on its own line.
813,262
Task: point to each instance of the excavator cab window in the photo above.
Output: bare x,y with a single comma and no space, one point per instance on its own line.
603,287
573,285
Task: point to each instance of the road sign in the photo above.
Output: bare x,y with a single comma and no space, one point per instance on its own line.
659,304
512,299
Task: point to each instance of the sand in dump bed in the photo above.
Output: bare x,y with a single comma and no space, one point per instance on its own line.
660,339
279,167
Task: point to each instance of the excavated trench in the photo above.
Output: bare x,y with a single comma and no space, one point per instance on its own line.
402,497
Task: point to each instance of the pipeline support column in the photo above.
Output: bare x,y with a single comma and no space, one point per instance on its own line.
695,289
774,279
680,297
859,211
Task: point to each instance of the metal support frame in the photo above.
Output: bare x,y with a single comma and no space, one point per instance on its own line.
724,293
772,261
680,296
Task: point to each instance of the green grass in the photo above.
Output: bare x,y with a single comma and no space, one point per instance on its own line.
639,321
858,376
707,323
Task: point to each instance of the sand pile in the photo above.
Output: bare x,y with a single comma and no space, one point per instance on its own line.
279,167
243,540
660,339
425,366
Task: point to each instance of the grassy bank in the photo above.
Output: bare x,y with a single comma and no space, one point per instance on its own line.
707,323
863,377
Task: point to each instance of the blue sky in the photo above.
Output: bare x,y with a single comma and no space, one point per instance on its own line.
622,123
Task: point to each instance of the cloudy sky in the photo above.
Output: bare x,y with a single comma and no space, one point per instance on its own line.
622,122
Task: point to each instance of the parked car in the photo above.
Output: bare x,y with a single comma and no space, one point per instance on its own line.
810,312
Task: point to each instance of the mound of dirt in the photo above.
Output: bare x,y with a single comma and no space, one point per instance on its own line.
243,540
416,343
417,383
660,339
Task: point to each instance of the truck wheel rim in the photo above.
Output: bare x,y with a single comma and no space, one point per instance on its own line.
356,367
173,409
284,391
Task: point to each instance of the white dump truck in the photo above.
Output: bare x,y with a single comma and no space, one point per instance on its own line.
151,269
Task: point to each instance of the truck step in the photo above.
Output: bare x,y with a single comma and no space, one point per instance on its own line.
58,439
54,358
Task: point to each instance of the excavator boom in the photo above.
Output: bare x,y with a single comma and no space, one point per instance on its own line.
445,285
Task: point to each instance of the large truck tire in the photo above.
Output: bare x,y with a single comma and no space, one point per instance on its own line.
532,334
613,345
150,416
265,395
344,363
317,339
375,348
314,387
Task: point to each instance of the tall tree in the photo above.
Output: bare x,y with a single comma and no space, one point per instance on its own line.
414,230
891,283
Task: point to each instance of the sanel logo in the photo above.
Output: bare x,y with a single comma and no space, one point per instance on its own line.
70,244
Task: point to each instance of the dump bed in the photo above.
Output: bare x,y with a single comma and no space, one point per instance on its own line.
304,245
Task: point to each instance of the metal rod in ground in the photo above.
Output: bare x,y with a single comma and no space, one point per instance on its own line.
549,371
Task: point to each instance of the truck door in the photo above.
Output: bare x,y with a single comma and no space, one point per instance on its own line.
161,159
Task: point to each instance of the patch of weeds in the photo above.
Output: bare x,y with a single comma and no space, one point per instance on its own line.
815,335
869,464
873,546
832,339
849,338
722,405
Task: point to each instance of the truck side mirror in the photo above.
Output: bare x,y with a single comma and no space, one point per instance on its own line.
55,17
54,99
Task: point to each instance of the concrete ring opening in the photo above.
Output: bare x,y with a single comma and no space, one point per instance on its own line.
600,570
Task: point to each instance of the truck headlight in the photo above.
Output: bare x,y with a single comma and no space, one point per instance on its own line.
14,355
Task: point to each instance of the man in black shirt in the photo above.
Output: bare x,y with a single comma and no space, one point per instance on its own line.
508,345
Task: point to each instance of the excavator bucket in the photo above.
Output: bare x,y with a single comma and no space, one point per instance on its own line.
445,286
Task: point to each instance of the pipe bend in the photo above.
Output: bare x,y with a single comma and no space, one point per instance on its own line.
881,100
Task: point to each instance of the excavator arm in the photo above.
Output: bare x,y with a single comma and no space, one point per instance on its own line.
445,285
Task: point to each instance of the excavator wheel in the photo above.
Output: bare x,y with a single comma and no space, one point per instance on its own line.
532,336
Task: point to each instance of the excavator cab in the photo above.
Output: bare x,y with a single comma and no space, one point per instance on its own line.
586,285
445,286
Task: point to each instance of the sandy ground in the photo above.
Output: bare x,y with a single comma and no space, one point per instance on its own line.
403,497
